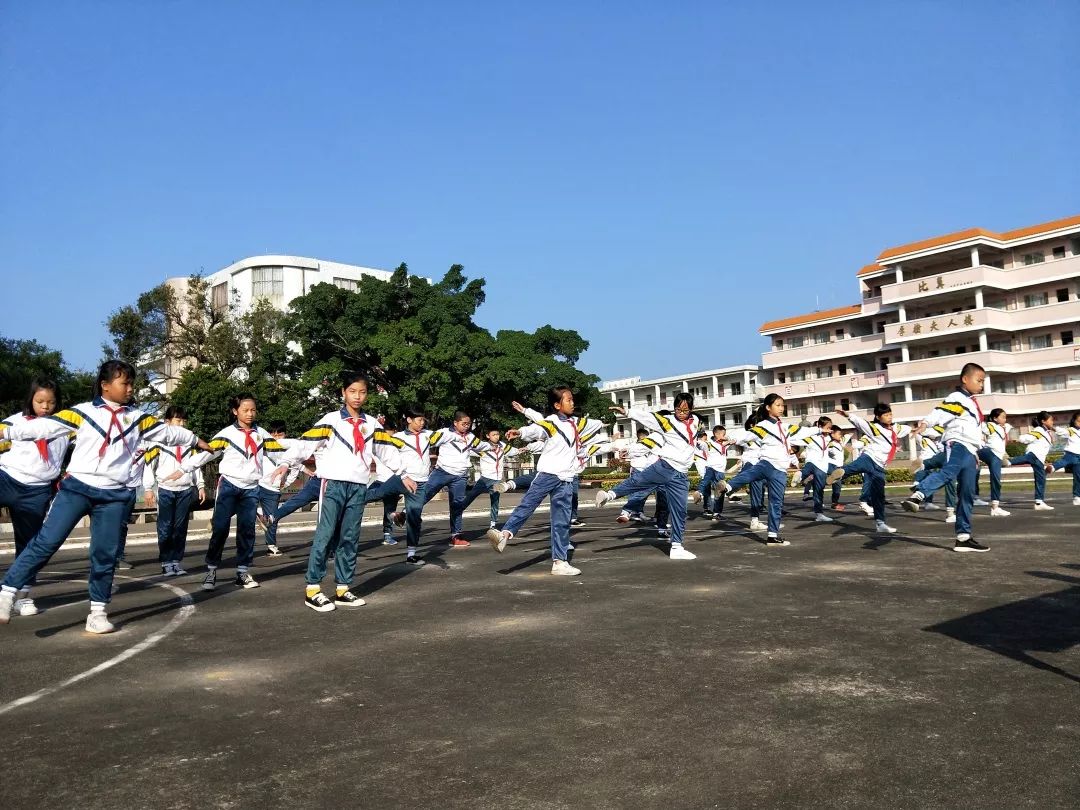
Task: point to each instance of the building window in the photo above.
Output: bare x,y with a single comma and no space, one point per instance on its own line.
845,404
1067,338
827,405
1000,345
800,409
219,296
1059,252
821,337
880,326
268,282
796,342
1034,258
841,369
1004,386
350,284
1062,295
781,376
798,376
821,372
736,389
1075,246
719,389
648,400
1054,382
1036,300
839,334
1040,342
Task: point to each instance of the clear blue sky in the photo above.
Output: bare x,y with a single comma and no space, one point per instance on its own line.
661,177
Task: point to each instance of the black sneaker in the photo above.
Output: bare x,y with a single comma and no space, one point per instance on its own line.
969,545
245,580
576,523
707,514
348,599
319,603
416,560
777,541
210,580
123,565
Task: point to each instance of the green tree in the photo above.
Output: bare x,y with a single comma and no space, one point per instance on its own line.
23,360
418,343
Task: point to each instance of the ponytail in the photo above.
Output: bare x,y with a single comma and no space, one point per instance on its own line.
994,414
760,414
1039,418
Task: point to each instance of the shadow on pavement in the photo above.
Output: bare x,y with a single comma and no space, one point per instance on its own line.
1048,623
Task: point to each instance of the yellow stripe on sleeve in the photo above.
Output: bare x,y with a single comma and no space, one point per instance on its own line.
317,433
382,437
72,419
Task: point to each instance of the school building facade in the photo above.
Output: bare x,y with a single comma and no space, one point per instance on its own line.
1007,301
722,396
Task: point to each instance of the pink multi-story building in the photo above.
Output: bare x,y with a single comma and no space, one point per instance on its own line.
1008,301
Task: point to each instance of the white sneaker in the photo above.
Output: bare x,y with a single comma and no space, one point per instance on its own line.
561,568
491,525
7,604
980,502
504,486
603,496
624,517
388,539
1076,501
950,517
26,607
721,488
867,508
796,479
695,496
821,517
881,527
177,571
757,526
1042,506
997,511
497,539
273,550
931,507
99,623
680,553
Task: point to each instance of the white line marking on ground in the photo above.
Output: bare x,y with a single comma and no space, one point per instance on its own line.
187,607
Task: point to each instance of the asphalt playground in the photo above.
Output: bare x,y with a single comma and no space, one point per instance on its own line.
846,670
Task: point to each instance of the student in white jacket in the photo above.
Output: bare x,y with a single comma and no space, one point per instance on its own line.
29,470
556,471
1070,459
108,433
175,498
669,475
1039,440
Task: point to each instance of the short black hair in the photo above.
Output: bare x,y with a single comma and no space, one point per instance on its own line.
111,370
277,426
350,377
970,368
174,412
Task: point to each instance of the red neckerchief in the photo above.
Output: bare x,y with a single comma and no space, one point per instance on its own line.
419,452
42,445
892,448
498,457
112,421
251,446
357,434
977,407
783,435
179,454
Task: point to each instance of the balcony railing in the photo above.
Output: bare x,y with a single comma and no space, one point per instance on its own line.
839,385
808,353
993,361
981,276
973,320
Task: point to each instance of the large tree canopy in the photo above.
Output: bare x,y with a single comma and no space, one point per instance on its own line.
417,341
23,360
420,345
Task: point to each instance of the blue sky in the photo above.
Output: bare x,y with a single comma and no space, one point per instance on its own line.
661,177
